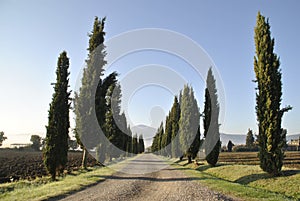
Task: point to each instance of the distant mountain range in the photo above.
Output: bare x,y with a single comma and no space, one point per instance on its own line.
149,132
235,138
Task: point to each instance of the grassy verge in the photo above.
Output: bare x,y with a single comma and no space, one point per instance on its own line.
43,188
247,182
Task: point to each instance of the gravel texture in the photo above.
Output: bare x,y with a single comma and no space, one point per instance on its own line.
148,177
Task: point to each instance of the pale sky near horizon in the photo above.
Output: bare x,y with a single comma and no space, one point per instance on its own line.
34,33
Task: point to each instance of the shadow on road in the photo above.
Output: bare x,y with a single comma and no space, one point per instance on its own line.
145,178
147,161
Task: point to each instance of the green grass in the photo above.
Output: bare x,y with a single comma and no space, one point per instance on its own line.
248,182
43,188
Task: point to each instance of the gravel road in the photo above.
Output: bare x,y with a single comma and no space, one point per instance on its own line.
148,177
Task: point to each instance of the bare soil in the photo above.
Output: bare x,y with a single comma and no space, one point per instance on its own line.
19,164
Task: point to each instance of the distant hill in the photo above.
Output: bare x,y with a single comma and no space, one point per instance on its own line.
241,138
147,131
292,137
235,138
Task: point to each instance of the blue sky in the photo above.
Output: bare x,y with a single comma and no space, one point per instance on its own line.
33,33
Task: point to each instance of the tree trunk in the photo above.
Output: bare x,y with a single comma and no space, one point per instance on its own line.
53,176
180,158
84,158
189,159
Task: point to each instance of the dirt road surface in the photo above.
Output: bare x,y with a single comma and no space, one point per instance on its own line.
147,177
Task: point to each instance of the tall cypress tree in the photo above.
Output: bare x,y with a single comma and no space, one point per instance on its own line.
156,144
122,129
194,148
113,121
211,121
87,129
160,136
101,105
188,122
166,138
101,108
175,116
129,142
271,139
55,152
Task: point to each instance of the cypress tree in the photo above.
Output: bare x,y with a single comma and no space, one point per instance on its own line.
156,144
135,144
166,138
113,121
175,116
101,105
55,152
194,148
87,128
249,138
141,144
160,136
211,121
129,142
268,99
122,129
188,122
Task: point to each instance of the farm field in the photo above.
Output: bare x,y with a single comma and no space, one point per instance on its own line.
29,164
292,159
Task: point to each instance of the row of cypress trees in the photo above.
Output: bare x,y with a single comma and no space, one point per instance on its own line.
99,122
181,135
271,137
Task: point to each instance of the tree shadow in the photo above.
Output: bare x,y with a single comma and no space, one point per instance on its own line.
290,172
187,163
178,161
255,177
147,161
174,168
251,178
204,167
